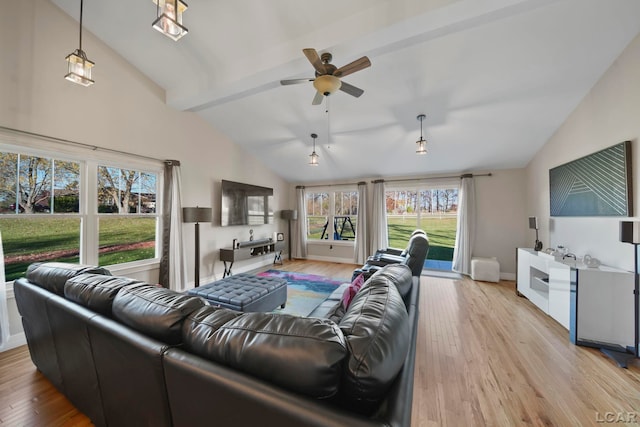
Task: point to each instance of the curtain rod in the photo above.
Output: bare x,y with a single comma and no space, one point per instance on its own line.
77,144
464,175
330,185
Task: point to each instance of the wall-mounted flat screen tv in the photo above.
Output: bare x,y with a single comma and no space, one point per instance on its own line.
245,204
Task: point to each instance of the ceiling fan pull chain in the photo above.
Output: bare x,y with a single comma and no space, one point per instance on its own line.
328,125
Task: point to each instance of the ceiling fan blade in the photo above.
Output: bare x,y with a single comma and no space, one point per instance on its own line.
315,60
317,100
352,67
295,81
351,89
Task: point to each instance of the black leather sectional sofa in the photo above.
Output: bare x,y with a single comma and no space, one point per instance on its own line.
128,353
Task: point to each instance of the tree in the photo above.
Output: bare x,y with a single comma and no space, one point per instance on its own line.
8,176
115,187
449,197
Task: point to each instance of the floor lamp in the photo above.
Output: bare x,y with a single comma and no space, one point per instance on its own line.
197,215
629,233
289,215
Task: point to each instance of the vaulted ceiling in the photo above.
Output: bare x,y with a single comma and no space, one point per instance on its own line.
495,78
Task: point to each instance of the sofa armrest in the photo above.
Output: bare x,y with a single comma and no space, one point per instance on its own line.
385,259
390,251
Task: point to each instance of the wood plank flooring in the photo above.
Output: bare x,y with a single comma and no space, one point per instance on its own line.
485,357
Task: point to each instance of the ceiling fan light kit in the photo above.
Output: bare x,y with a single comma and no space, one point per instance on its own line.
327,84
328,77
422,143
313,157
78,65
169,18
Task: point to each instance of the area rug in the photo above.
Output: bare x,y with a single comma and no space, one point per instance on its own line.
304,291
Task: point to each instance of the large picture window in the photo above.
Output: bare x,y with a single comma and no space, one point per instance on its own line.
332,215
434,209
45,211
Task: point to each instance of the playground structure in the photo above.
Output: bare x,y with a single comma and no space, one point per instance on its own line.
343,228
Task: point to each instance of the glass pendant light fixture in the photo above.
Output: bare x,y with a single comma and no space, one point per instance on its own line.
79,67
422,143
313,161
169,18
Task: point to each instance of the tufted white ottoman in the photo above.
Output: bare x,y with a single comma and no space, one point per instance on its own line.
485,269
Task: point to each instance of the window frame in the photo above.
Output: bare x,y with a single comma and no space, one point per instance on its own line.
331,212
89,161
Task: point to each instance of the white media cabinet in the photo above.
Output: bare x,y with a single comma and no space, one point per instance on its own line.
595,304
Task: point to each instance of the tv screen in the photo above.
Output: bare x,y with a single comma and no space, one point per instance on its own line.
245,204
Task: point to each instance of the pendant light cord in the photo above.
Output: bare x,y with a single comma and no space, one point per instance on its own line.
81,4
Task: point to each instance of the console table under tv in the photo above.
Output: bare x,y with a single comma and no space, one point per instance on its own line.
249,250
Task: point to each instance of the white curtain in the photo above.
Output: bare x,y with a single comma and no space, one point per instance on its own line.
361,249
466,229
4,314
300,229
173,272
378,232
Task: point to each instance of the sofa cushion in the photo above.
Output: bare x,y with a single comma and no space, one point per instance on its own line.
155,311
376,328
95,291
202,323
53,275
400,276
301,354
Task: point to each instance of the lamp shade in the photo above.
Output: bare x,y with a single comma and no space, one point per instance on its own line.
169,20
196,214
289,214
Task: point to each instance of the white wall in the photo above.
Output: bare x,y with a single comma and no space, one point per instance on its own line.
125,111
502,218
606,116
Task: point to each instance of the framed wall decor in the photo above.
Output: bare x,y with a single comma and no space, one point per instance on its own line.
599,184
280,237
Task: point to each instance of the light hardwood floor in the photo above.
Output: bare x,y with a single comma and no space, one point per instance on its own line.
485,357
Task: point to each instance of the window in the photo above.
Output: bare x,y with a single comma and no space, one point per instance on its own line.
338,208
127,230
45,214
433,208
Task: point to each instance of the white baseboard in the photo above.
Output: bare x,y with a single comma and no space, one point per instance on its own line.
14,341
330,259
507,276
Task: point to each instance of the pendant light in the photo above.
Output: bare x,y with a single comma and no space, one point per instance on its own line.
79,67
169,18
313,161
422,143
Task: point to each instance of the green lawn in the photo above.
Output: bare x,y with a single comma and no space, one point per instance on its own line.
441,232
28,240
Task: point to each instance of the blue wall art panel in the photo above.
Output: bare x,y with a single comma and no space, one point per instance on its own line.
595,185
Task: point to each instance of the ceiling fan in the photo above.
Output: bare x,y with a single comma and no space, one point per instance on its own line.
327,80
